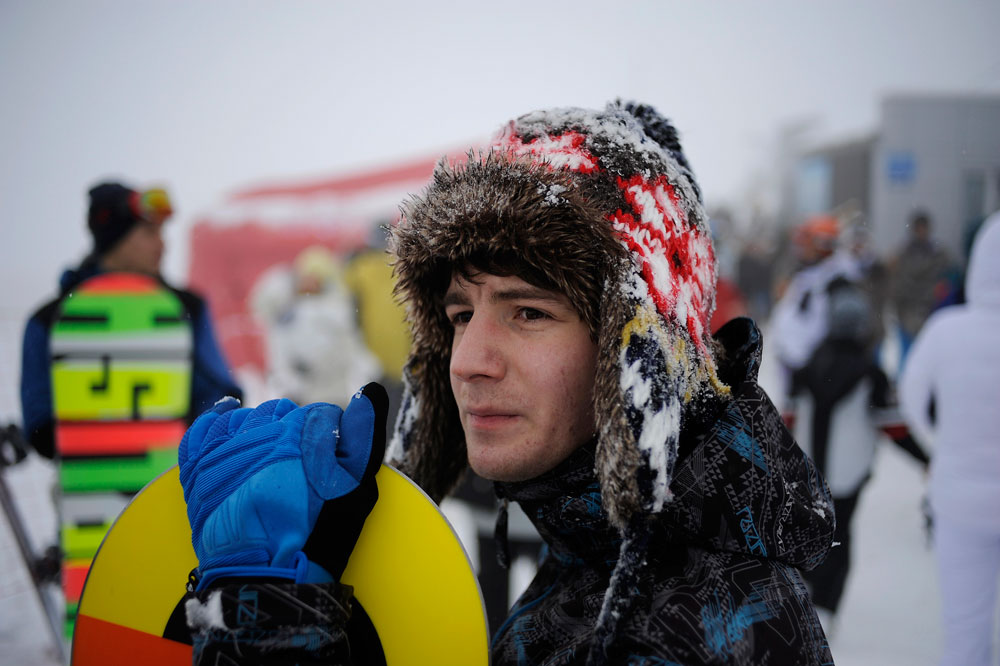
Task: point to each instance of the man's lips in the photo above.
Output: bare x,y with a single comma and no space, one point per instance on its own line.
486,419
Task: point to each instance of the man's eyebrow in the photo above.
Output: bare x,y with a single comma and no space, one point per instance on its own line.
454,298
527,293
458,297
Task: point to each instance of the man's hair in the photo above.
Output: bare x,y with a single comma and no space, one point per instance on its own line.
506,264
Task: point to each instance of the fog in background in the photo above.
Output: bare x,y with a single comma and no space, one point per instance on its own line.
210,97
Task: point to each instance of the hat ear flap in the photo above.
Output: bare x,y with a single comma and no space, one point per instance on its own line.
429,443
637,447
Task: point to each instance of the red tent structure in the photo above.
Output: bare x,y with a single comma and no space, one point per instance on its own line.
269,224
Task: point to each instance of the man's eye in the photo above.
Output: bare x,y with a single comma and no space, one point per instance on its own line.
531,314
461,317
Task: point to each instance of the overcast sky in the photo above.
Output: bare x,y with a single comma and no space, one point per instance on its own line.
209,97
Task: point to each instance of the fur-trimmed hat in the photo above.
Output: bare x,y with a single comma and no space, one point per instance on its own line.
603,207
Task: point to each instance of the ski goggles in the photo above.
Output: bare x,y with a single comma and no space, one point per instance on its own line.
152,205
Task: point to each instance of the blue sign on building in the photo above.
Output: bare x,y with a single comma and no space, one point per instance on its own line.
814,186
901,167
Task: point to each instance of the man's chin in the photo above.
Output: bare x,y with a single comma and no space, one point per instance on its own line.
507,469
492,473
493,469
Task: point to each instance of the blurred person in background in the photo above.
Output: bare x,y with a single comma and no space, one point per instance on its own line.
838,396
382,319
954,364
730,302
872,272
754,276
315,349
126,227
799,322
919,280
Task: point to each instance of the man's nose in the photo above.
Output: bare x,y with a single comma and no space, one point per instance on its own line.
478,353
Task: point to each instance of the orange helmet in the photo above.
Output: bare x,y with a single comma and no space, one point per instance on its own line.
818,234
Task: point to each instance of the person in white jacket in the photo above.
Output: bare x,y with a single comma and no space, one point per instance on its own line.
800,320
955,363
315,347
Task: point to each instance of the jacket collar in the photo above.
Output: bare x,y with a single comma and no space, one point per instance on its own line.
565,507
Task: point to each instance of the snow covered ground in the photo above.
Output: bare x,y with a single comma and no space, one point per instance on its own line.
889,614
890,611
24,634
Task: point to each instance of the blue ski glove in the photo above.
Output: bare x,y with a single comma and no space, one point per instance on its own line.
281,491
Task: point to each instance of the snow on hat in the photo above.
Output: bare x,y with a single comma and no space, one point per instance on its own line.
115,208
603,207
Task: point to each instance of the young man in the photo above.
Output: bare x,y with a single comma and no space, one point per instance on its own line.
126,228
559,289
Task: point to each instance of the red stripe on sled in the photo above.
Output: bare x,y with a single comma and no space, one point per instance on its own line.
74,575
117,438
107,644
121,283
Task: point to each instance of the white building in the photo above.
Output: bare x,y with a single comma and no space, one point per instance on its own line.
935,153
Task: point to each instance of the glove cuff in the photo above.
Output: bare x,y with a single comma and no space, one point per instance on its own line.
302,571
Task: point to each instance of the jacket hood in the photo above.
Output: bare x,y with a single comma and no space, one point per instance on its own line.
743,484
601,206
982,282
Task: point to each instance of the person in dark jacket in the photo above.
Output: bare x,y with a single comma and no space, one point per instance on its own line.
126,228
559,288
842,398
919,280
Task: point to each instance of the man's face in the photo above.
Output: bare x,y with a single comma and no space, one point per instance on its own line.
522,372
139,251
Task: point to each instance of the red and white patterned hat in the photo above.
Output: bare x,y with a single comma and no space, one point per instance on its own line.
603,206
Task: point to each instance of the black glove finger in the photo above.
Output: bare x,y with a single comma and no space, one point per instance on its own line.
379,399
341,520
